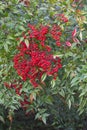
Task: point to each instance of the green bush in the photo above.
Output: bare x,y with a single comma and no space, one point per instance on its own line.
70,85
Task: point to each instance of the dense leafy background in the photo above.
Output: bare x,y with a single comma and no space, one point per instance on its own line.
69,92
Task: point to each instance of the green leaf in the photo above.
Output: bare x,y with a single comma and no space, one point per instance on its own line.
44,119
43,77
10,37
21,39
6,47
2,119
37,116
27,42
52,83
22,28
62,93
69,103
34,95
44,116
75,81
49,100
80,35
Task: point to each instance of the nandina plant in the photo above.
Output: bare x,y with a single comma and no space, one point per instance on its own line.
61,45
37,63
35,60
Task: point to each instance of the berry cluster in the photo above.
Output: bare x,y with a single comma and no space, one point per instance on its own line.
62,18
56,34
35,59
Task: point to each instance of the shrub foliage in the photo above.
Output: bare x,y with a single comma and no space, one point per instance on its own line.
43,56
